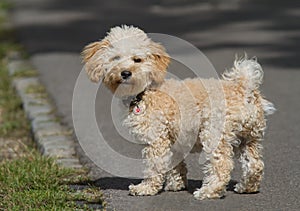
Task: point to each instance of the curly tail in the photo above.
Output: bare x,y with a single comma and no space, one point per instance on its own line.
247,71
250,74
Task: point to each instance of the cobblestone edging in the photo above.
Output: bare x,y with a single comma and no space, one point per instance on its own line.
52,138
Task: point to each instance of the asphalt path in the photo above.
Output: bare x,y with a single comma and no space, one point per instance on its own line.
55,31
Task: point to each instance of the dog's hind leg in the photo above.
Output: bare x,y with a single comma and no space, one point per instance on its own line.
252,167
251,156
176,178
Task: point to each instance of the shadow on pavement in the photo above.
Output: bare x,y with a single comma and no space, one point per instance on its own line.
118,183
76,23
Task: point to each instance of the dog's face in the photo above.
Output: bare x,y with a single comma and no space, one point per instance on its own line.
126,60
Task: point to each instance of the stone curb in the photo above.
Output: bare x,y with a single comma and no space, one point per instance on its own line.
52,138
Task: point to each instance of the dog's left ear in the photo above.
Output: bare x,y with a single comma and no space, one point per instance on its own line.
161,62
92,57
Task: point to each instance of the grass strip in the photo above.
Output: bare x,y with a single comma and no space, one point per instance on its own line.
29,181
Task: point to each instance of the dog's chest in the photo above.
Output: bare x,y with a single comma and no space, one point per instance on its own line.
146,124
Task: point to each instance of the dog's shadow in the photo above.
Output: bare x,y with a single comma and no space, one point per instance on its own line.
118,183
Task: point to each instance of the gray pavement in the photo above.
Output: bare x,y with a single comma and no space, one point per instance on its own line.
55,31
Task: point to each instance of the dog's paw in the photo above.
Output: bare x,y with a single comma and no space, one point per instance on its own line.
142,189
206,193
241,188
175,186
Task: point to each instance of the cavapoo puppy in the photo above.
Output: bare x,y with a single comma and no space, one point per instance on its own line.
223,118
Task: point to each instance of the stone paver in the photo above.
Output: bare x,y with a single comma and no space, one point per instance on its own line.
52,138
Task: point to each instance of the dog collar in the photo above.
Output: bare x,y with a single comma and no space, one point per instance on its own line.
133,103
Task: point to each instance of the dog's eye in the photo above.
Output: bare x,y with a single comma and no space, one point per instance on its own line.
115,58
137,60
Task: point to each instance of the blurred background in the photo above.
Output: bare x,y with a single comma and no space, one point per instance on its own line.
250,25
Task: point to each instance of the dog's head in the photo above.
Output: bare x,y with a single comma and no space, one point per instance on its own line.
126,60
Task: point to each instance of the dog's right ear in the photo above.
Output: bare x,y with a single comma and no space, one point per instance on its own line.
92,57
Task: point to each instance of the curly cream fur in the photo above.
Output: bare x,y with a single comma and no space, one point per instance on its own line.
222,118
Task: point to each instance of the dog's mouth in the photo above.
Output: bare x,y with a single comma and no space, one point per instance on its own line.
125,82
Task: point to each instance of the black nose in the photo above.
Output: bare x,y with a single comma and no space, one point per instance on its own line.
126,74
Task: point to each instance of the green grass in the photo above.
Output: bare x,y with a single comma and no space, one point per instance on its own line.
14,122
38,90
38,183
13,117
31,183
5,5
25,74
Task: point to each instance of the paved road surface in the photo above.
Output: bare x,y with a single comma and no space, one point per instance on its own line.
55,31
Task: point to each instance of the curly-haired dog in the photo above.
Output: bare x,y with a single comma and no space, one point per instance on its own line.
227,116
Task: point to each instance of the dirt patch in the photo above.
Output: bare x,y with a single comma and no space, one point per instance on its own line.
11,149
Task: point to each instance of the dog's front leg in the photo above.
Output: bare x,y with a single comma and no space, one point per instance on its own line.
158,159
